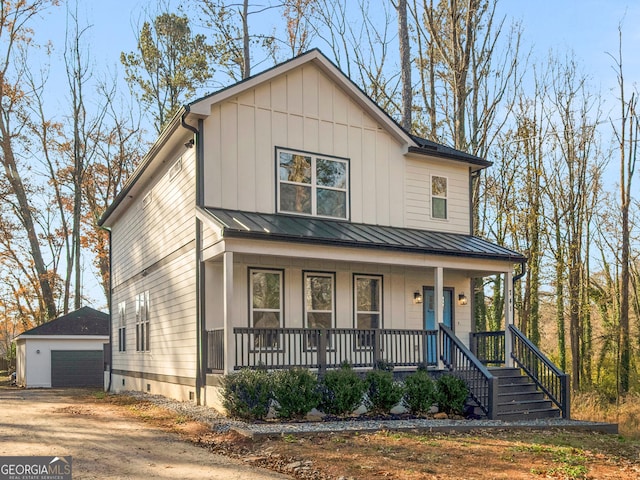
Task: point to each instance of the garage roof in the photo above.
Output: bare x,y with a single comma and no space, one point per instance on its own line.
84,321
266,226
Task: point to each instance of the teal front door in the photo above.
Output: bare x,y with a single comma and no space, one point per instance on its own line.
430,318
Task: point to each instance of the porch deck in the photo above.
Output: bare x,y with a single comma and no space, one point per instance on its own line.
494,396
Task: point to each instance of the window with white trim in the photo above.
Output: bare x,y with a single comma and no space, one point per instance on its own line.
142,322
311,184
266,296
438,197
368,306
319,304
122,327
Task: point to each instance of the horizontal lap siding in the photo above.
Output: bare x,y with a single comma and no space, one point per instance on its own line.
172,326
418,196
154,251
145,235
399,284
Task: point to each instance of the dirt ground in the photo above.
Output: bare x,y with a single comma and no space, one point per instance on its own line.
121,437
106,441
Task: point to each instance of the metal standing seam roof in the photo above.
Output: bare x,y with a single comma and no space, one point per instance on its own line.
300,229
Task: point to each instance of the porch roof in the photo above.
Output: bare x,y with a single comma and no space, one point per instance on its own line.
290,228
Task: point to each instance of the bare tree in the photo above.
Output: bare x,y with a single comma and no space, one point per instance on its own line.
405,65
14,36
627,134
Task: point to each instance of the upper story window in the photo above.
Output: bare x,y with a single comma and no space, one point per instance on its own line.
310,184
438,197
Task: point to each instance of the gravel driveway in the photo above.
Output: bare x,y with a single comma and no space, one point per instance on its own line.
103,443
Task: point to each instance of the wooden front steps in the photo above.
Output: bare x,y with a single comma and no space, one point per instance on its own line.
519,398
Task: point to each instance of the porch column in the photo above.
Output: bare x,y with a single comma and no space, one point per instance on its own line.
229,340
438,309
508,318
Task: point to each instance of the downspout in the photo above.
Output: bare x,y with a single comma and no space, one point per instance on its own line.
523,267
110,304
200,376
523,272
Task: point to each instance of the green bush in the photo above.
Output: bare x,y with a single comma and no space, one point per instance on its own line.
419,393
247,394
451,394
295,392
341,391
385,365
383,392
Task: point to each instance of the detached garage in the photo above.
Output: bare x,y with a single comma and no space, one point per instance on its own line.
65,352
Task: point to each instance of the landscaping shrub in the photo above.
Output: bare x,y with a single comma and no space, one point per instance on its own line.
451,394
383,392
295,392
385,365
419,393
247,394
341,390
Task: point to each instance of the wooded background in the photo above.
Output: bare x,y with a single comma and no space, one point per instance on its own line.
452,71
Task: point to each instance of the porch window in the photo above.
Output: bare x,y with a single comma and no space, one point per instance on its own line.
368,303
142,322
310,184
438,197
266,306
122,327
319,303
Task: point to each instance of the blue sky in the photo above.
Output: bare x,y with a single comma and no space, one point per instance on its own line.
589,28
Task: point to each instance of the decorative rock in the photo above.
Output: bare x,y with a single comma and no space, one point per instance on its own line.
314,417
293,465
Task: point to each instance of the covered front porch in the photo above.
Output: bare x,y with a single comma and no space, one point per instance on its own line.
283,292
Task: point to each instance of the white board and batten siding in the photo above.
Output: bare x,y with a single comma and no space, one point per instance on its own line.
154,250
301,110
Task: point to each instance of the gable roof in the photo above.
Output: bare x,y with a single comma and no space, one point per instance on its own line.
201,108
84,321
264,226
415,144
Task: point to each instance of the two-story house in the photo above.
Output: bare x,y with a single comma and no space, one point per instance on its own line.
287,220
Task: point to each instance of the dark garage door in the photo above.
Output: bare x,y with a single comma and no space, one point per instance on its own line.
77,368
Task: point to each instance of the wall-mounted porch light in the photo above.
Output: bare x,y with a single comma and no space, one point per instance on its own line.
417,297
462,300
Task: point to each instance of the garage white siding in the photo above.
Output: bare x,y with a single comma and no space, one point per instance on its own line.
34,359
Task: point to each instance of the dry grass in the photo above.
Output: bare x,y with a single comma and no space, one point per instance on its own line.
626,412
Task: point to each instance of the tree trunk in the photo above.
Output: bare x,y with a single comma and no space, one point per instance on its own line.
405,65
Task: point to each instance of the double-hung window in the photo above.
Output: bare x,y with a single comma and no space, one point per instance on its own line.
311,184
368,305
319,304
122,327
438,197
142,322
266,294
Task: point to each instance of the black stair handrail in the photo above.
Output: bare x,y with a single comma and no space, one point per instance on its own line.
457,358
549,378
